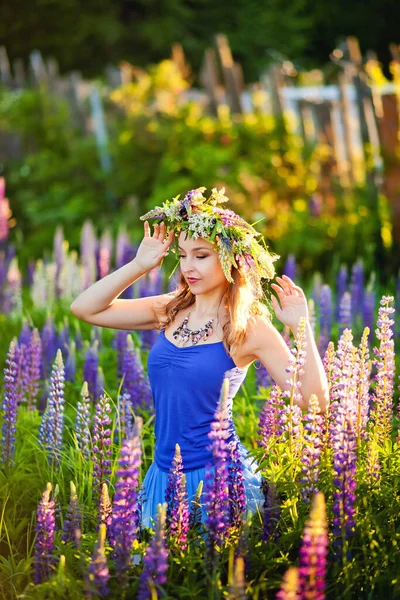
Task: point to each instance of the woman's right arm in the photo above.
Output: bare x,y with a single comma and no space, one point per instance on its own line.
99,303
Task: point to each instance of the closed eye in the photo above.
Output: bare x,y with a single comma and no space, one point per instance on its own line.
181,256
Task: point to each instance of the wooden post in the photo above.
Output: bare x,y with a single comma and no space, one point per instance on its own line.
210,80
233,90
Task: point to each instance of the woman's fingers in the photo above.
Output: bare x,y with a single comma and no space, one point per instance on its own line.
146,229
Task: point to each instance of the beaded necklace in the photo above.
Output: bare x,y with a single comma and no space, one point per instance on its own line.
183,333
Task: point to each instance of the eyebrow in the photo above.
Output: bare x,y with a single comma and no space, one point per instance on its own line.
195,249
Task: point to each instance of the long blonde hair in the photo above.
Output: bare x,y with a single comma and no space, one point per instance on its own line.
239,299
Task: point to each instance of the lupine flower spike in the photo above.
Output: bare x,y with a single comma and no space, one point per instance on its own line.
82,426
382,413
217,481
52,425
44,558
9,407
73,519
101,442
177,518
310,458
98,575
295,368
237,590
154,574
289,586
313,552
125,514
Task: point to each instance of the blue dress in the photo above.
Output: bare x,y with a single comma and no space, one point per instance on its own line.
186,385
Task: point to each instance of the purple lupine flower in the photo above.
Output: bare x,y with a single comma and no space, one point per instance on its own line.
341,286
263,378
290,267
101,444
52,425
98,575
100,384
82,425
125,514
90,369
126,418
344,445
34,368
313,552
22,381
9,407
154,574
363,397
270,423
295,368
49,346
325,318
216,498
310,458
289,586
120,343
344,381
357,289
44,558
237,489
345,313
105,509
136,382
73,518
272,511
177,516
148,338
195,512
70,363
78,336
25,334
382,397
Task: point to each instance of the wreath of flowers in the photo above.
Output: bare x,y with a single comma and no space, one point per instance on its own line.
235,239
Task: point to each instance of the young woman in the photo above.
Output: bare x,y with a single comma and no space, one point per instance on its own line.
214,325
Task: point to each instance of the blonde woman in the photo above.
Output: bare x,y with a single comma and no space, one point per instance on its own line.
213,326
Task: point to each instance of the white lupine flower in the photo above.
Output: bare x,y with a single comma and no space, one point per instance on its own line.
172,211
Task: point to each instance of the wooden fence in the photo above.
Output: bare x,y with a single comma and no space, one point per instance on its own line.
357,116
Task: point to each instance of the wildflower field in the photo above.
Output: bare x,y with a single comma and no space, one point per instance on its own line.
77,437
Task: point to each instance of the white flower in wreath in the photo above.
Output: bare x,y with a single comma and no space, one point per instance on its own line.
172,211
200,224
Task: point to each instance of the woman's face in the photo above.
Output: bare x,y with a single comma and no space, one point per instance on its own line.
199,260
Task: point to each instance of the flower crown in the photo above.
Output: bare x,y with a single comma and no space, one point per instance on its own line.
234,237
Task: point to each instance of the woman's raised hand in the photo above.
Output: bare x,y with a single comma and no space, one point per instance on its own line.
153,248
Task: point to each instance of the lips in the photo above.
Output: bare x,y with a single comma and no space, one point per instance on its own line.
190,280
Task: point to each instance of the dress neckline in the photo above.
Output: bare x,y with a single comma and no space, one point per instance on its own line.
189,347
198,346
